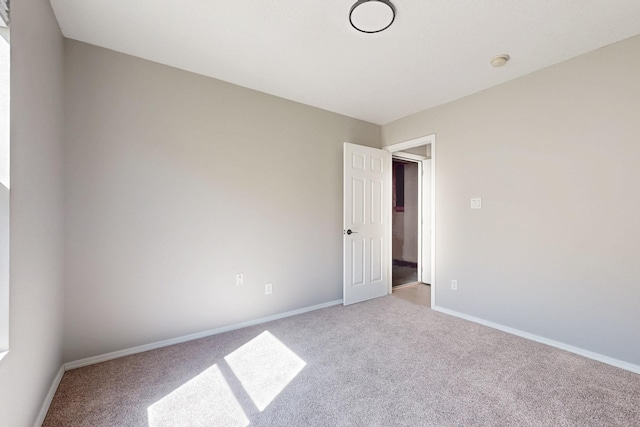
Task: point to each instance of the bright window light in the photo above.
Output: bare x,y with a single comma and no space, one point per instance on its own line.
264,366
205,400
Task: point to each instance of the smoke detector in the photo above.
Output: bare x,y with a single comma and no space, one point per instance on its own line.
500,60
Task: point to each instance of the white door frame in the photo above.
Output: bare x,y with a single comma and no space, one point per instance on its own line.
394,148
418,161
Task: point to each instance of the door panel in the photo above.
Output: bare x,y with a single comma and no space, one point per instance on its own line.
367,211
357,260
376,260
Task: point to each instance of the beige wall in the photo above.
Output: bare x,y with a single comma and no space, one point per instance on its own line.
423,150
410,250
174,183
397,235
27,372
554,156
405,223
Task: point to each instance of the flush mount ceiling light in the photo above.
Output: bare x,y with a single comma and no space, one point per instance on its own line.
500,60
372,16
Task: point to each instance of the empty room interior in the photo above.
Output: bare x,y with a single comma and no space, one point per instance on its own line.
335,213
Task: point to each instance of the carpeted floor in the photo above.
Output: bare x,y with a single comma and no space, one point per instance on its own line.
385,362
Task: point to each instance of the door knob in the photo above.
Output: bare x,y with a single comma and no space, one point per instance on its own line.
349,232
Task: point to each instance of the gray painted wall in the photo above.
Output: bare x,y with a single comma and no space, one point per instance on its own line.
35,356
554,156
404,244
174,183
423,150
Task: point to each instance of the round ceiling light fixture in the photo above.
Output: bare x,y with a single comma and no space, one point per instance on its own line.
372,16
500,60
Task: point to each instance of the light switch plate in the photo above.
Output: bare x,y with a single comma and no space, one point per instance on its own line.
476,203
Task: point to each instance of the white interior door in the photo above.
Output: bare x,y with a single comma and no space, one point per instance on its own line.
367,214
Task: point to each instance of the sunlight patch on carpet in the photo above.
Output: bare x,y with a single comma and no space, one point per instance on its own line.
264,366
206,399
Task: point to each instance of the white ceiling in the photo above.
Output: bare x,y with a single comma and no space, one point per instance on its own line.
306,51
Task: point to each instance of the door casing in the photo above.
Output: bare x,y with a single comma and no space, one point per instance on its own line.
423,214
405,145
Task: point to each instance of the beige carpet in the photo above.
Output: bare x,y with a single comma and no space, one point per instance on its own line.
386,362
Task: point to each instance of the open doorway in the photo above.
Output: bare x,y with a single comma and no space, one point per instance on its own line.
413,242
404,223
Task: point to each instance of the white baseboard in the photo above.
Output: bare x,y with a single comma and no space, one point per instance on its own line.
152,346
47,400
557,344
